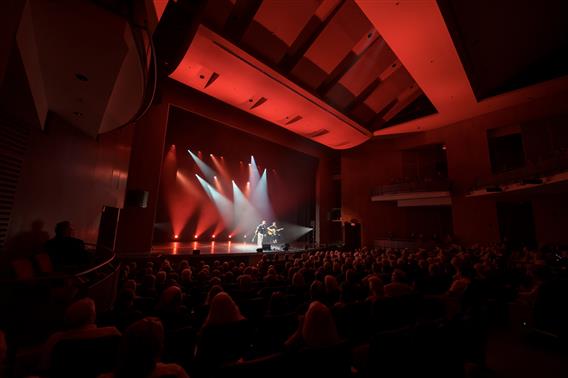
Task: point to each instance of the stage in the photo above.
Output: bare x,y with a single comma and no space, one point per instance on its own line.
218,248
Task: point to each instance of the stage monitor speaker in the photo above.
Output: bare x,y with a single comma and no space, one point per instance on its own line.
266,247
196,252
136,198
259,250
335,214
107,228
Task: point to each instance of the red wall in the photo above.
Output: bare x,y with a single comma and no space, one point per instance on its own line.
67,175
378,161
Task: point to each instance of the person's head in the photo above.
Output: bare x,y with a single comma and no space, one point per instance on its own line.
317,291
216,289
319,328
223,310
398,276
274,224
186,275
170,300
376,287
141,346
63,229
298,280
245,282
331,284
263,222
81,314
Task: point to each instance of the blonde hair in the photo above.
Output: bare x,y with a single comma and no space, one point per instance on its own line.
223,310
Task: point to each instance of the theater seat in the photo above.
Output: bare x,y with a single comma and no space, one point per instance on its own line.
23,269
85,357
44,263
274,365
330,362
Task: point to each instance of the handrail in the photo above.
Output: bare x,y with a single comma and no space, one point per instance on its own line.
417,185
111,258
59,275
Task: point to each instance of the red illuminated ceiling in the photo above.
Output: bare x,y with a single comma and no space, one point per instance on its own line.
341,69
216,67
418,35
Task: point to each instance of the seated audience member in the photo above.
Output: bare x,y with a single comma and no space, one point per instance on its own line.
376,289
216,289
64,250
223,337
316,329
139,355
170,309
332,290
461,282
124,312
148,287
397,287
80,323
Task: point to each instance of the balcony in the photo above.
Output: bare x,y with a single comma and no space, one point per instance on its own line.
551,170
418,192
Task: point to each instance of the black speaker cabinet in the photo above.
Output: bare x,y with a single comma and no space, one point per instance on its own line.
136,198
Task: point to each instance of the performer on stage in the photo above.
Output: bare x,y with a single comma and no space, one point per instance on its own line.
260,233
273,232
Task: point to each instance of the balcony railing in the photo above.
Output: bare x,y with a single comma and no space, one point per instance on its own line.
532,170
413,186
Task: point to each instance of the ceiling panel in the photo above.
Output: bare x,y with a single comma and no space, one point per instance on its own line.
338,38
285,19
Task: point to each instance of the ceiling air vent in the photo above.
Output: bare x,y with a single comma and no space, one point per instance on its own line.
259,102
212,78
317,133
293,119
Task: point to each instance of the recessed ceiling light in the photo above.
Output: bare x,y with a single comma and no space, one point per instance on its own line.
81,77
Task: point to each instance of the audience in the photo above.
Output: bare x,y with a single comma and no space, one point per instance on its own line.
300,301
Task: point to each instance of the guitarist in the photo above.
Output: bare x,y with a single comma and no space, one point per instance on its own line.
273,232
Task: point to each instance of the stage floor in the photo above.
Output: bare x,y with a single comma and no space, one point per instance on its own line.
214,248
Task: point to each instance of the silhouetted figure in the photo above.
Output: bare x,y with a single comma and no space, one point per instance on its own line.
64,250
26,244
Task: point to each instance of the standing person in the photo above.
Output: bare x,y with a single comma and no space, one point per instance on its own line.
260,233
66,251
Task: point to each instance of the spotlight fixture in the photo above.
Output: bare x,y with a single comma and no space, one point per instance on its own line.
176,236
195,236
215,177
230,236
213,236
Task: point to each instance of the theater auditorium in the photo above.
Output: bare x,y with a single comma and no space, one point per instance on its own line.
284,188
